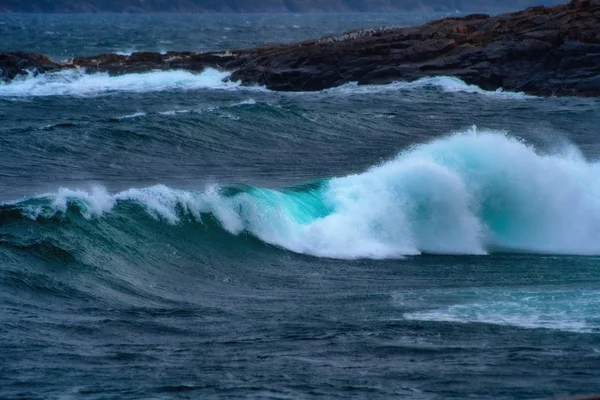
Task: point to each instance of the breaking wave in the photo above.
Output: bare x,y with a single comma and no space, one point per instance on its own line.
79,83
469,193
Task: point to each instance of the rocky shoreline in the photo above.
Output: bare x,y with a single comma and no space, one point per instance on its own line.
544,51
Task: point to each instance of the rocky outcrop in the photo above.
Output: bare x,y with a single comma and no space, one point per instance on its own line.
540,51
20,63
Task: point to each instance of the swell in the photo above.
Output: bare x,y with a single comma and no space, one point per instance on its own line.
469,193
91,248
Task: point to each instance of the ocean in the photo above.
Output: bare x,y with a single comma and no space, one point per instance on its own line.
172,235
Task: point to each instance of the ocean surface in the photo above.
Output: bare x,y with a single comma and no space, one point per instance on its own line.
176,235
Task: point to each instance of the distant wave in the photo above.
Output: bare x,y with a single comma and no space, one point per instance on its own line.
78,83
469,193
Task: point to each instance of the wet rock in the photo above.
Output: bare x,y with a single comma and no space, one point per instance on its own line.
19,63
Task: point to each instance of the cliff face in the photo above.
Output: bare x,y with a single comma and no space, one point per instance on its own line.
65,6
541,51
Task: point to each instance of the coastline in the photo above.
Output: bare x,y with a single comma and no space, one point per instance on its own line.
542,51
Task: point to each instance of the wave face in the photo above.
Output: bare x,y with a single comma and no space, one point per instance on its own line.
469,193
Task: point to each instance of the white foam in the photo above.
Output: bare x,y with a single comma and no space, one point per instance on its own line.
78,83
448,84
469,193
134,115
93,203
163,202
171,113
248,102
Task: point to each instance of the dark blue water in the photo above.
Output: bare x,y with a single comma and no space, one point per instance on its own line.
172,235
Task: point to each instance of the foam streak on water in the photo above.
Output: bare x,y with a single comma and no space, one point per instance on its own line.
559,309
